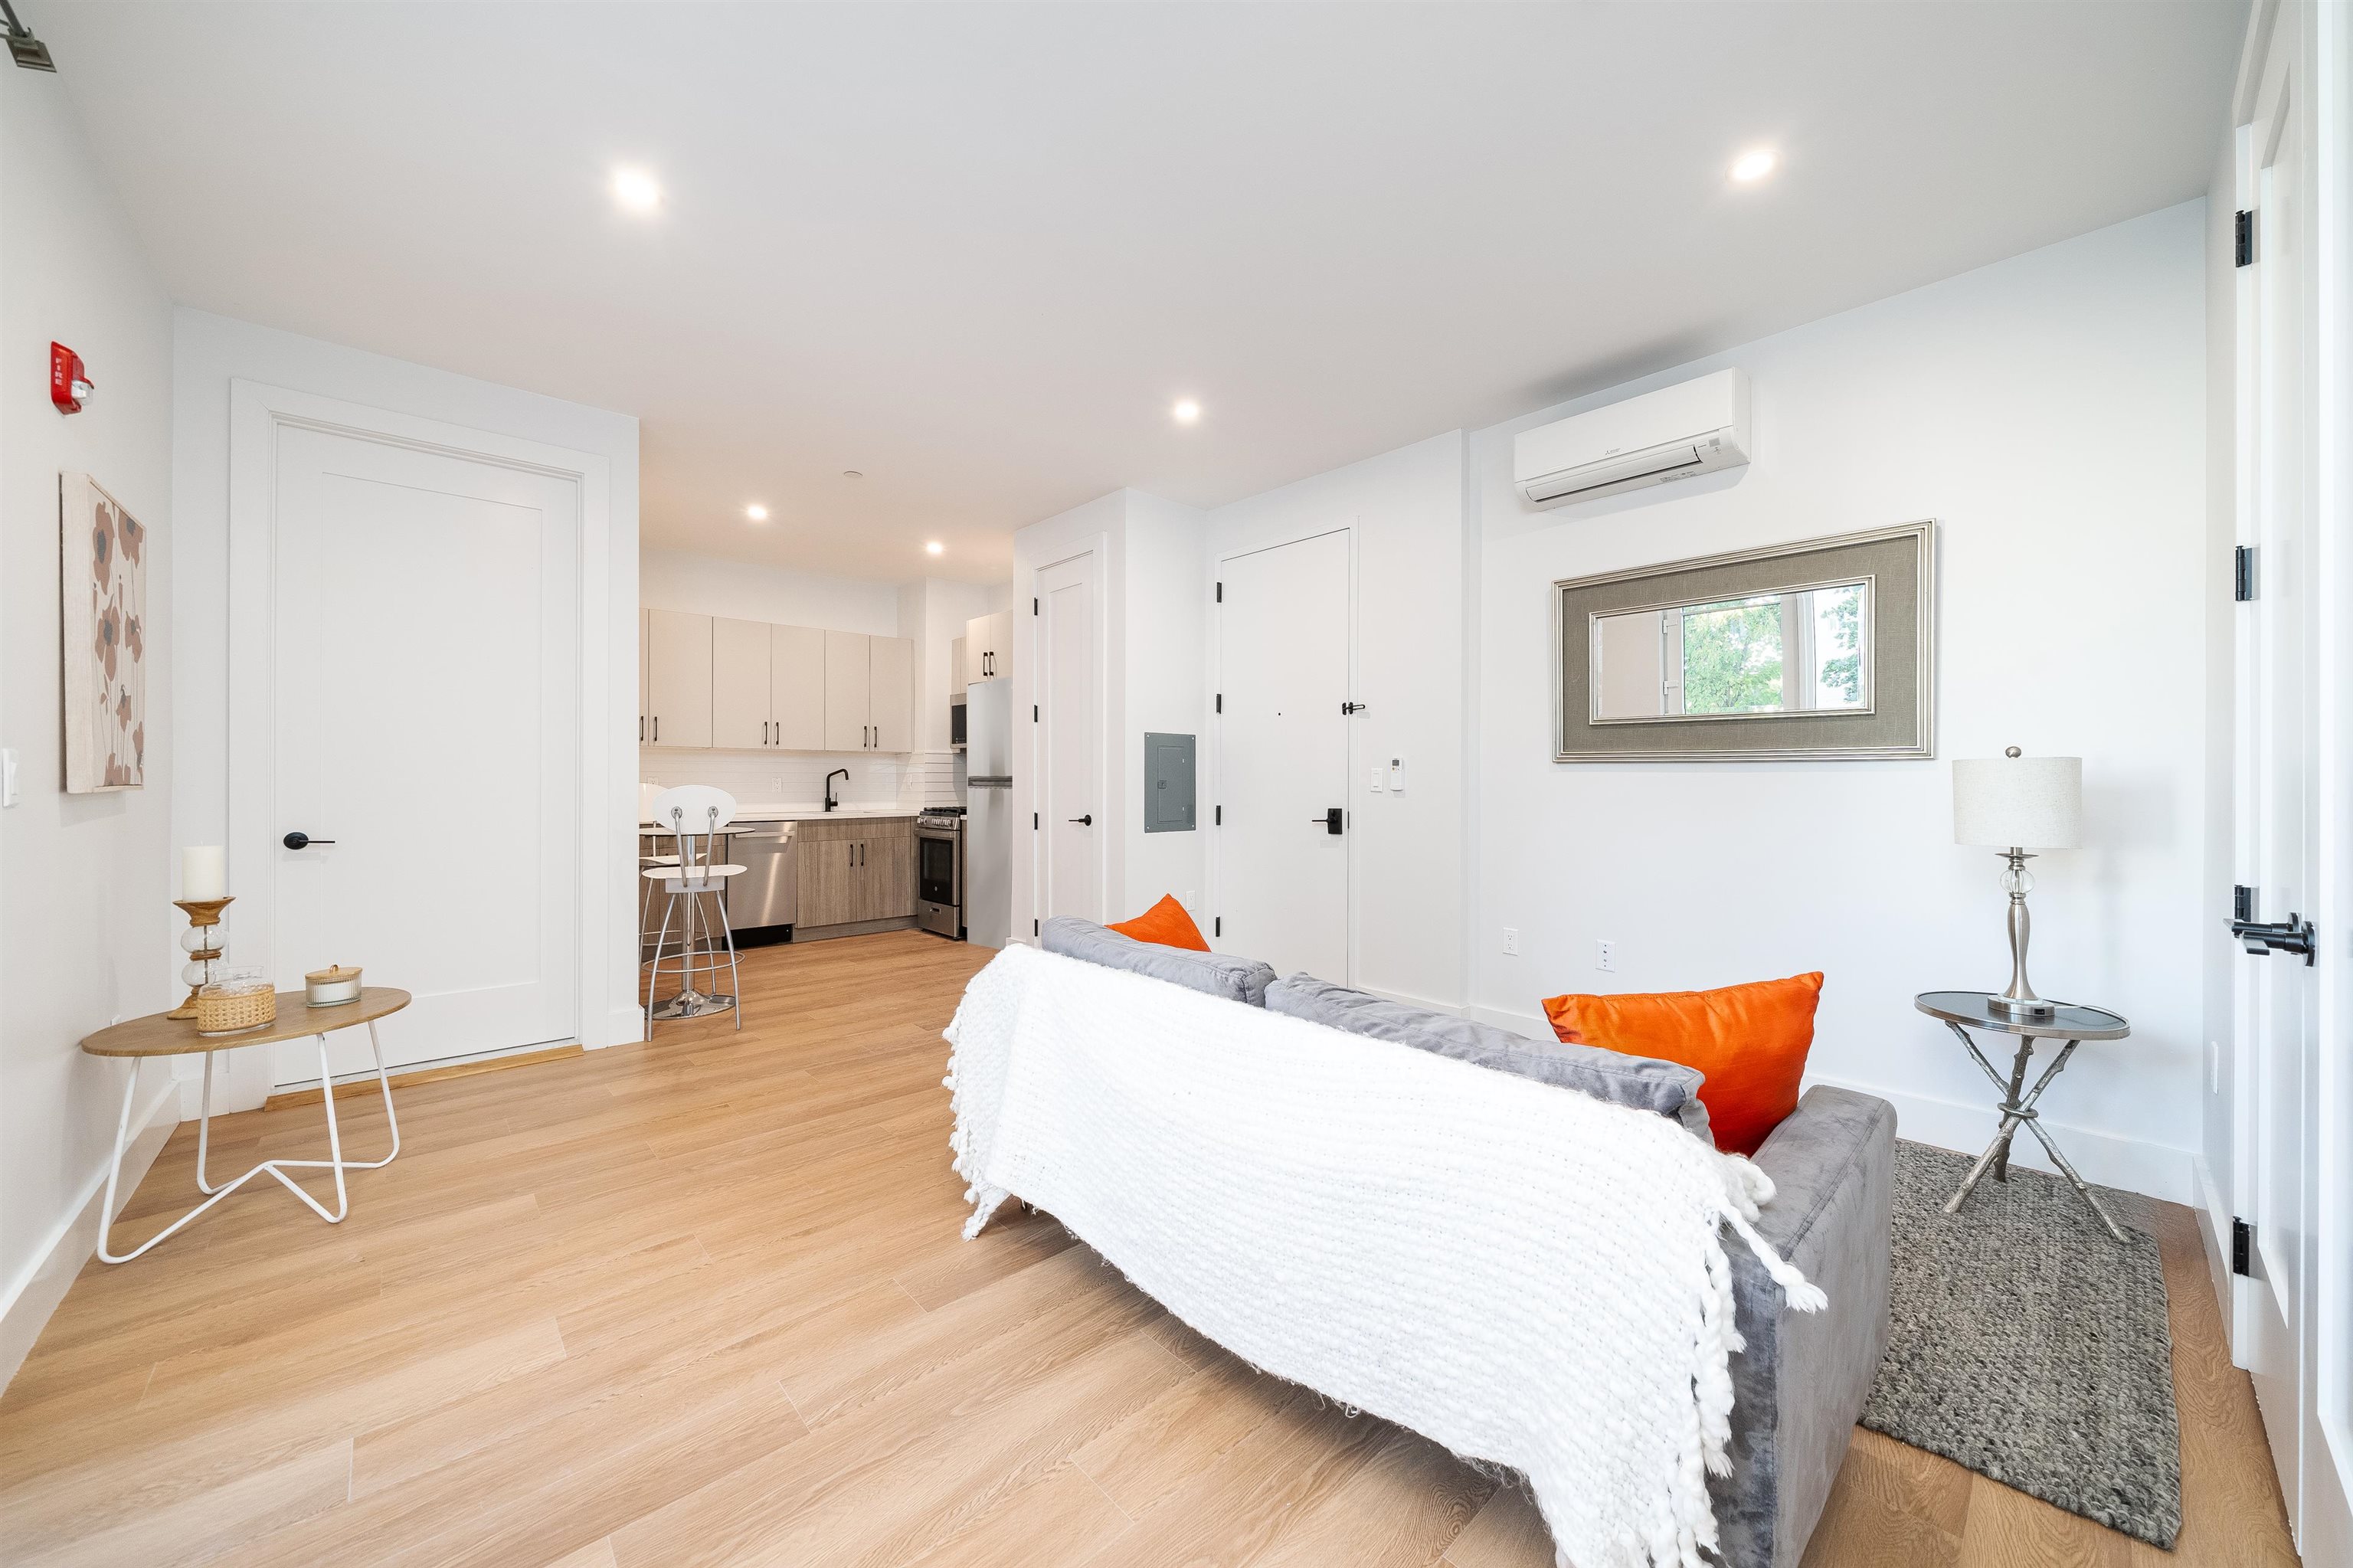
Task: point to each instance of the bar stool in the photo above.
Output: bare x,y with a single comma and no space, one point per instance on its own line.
693,815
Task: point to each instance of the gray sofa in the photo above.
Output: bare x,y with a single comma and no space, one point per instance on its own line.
1801,1381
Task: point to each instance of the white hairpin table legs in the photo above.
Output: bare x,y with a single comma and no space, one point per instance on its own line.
276,1168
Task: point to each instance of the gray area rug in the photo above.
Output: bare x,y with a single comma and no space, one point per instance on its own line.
2028,1346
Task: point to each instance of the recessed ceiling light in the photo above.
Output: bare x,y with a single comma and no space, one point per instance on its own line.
933,548
756,512
1186,412
636,190
851,473
1754,165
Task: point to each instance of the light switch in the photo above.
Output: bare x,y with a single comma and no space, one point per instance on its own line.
8,777
1376,781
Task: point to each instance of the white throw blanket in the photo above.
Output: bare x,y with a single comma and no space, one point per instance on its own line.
1526,1275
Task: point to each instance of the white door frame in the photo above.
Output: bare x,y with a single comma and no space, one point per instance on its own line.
1214,758
256,413
1110,813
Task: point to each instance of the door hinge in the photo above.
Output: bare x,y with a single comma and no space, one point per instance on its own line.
1221,816
1221,593
1033,712
2243,902
1033,822
1033,927
1221,702
2243,1246
2246,238
1218,926
1348,708
1033,606
2243,573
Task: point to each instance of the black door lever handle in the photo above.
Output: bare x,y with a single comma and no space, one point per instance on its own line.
2264,937
302,841
1329,822
1086,822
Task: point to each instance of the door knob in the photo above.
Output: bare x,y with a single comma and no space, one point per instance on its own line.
1086,822
299,840
1330,821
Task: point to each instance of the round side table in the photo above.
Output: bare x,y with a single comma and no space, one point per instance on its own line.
159,1034
1962,1010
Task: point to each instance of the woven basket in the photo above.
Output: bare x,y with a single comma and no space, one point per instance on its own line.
228,1013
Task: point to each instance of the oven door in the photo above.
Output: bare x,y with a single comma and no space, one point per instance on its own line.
939,879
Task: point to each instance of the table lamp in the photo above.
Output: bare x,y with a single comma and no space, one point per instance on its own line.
2016,803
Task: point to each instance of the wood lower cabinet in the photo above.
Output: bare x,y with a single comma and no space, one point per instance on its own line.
855,872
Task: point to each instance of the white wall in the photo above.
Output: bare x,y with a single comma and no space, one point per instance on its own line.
745,590
88,932
1407,884
211,351
2050,411
1165,601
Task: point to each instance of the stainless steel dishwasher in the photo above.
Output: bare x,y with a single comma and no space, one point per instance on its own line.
765,901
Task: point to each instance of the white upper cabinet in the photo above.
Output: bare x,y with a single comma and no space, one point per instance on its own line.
956,670
988,647
677,678
890,692
739,713
796,687
848,676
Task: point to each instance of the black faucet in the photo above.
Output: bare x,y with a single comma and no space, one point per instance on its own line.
830,803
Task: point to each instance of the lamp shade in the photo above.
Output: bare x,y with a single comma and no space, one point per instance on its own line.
2022,803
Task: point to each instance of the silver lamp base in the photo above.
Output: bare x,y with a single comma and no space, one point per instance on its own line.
2022,1006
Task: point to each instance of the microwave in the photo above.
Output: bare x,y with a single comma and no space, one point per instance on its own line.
955,723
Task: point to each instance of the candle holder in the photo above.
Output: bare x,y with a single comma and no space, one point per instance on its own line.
201,944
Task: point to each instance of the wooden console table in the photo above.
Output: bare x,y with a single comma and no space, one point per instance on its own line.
159,1035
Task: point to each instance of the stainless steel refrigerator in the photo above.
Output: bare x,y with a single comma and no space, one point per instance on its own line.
988,812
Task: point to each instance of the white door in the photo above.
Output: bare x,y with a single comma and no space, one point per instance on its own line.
890,691
424,692
797,686
1070,746
740,658
1284,666
2289,1117
846,694
677,678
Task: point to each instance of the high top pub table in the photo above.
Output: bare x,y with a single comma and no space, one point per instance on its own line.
159,1034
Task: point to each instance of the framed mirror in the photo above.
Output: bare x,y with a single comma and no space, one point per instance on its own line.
1823,648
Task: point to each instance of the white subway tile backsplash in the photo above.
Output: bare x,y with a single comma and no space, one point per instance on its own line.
798,778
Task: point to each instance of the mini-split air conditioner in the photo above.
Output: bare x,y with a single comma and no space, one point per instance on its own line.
1676,432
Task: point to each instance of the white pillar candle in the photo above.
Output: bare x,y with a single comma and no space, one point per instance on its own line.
204,872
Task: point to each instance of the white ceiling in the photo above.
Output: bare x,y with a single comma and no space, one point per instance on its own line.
977,251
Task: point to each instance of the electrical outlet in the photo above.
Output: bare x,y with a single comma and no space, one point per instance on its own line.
1605,955
1510,941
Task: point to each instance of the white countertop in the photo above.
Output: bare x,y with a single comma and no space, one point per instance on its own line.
797,813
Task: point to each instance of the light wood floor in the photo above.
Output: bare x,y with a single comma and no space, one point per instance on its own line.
703,1302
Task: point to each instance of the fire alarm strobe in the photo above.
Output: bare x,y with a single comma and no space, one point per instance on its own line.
68,379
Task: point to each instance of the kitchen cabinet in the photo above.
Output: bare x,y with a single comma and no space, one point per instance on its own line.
855,871
677,678
847,690
741,713
796,687
988,647
869,692
890,692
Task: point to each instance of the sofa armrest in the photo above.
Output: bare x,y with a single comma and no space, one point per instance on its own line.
1802,1380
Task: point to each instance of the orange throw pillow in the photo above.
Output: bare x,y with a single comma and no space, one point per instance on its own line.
1166,924
1750,1040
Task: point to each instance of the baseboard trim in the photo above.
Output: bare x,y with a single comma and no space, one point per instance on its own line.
36,1291
1428,1004
2214,1230
465,1068
2105,1159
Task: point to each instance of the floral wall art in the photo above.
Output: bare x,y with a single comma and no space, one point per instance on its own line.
104,559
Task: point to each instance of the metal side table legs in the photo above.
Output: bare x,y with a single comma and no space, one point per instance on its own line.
2016,1112
276,1168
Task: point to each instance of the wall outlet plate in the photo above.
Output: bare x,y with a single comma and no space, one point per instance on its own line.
1605,955
1510,941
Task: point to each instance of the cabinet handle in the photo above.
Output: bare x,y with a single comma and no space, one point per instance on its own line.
656,729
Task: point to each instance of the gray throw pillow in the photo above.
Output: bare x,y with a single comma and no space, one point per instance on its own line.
1670,1088
1218,974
